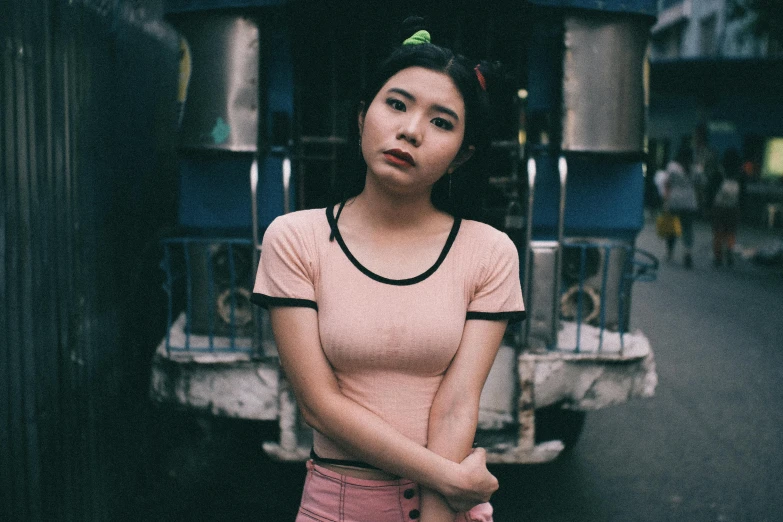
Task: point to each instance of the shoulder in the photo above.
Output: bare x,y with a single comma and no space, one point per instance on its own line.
297,233
302,223
487,243
478,233
299,219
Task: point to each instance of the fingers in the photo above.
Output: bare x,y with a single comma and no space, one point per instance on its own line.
476,454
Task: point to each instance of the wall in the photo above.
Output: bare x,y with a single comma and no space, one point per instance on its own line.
88,97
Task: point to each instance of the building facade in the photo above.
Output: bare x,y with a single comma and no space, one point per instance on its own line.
691,29
709,67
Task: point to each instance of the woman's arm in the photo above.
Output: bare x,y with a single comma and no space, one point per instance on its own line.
357,429
454,413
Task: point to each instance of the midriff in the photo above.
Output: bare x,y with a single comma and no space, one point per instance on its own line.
360,473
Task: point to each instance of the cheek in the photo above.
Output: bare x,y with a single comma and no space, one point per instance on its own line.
372,127
366,137
447,152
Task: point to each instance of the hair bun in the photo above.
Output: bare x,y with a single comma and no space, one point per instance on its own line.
411,25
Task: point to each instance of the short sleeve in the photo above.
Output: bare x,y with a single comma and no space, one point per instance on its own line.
285,268
498,292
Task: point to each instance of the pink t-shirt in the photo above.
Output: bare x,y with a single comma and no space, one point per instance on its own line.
389,341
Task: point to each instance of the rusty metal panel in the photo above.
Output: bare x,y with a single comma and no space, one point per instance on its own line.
604,54
87,111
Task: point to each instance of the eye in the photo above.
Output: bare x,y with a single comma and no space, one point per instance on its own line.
395,104
443,123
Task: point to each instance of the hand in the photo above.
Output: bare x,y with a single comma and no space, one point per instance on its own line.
478,483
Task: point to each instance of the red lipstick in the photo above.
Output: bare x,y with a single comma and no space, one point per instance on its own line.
399,157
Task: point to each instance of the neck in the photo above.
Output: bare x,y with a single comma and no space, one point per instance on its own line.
393,211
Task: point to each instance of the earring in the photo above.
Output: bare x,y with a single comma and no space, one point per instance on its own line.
450,176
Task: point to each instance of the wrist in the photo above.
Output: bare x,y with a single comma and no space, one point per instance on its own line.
455,481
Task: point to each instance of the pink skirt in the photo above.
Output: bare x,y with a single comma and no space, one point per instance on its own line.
331,497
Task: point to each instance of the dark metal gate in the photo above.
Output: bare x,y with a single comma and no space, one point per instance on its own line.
87,120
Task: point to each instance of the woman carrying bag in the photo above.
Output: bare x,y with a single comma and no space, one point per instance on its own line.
680,200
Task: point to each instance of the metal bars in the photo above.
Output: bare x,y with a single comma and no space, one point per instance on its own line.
214,276
600,294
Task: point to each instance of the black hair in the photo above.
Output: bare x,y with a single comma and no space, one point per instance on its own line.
732,163
684,156
457,193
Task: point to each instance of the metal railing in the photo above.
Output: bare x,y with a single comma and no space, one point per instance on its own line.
209,284
596,291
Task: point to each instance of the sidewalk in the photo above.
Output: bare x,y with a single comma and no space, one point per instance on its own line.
754,238
751,241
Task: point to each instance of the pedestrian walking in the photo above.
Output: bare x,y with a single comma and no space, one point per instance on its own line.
389,308
681,200
704,168
724,193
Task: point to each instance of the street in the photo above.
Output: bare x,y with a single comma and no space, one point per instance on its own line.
705,448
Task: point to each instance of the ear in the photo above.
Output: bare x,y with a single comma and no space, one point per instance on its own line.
463,155
362,113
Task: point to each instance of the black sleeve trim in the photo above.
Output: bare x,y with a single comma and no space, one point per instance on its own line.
512,317
265,301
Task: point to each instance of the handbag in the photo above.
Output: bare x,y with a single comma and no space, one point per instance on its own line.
728,194
668,225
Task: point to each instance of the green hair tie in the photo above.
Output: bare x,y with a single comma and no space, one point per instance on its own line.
419,37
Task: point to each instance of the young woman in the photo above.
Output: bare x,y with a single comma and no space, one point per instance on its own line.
682,201
388,311
724,193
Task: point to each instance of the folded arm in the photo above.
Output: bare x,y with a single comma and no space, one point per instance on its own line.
358,430
454,413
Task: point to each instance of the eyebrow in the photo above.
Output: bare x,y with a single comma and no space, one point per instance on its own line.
409,96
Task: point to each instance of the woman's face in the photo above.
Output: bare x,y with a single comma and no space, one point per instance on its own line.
412,131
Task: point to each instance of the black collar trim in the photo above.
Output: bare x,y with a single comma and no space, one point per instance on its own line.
386,280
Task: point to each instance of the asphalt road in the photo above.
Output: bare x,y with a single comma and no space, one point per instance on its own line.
708,446
705,448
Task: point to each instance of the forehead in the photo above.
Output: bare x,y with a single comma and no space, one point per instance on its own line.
428,87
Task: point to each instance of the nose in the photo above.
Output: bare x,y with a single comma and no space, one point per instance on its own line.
410,130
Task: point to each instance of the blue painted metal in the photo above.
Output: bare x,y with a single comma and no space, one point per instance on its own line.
215,188
643,7
214,191
580,302
280,100
605,193
605,197
545,64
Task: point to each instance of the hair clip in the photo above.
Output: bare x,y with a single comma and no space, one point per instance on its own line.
482,81
419,37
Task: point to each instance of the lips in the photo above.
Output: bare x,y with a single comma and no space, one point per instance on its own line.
399,156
